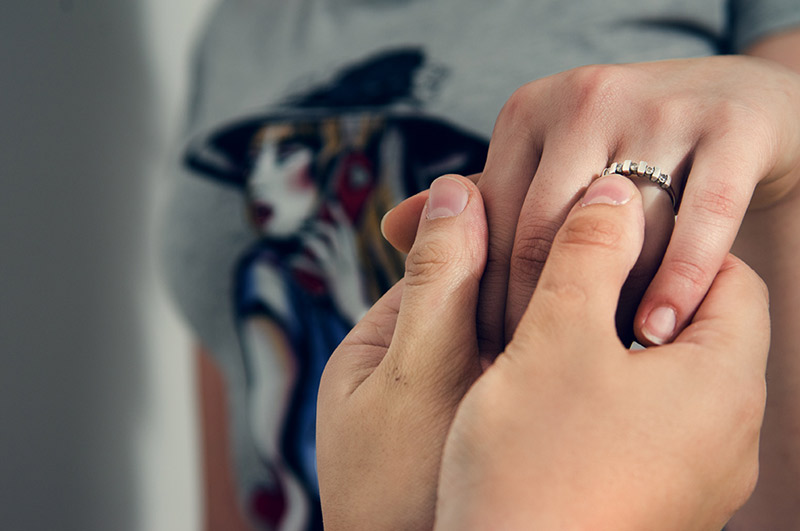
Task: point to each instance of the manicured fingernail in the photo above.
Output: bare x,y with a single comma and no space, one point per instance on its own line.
383,220
447,198
659,325
609,190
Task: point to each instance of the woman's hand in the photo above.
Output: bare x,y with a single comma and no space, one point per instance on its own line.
390,390
568,429
727,129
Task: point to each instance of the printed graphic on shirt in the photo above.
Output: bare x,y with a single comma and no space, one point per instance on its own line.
317,175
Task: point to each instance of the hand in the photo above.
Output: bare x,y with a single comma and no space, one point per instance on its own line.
389,392
399,230
726,128
568,429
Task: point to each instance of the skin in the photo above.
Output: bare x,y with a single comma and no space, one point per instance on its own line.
380,414
706,121
611,439
739,175
591,417
659,222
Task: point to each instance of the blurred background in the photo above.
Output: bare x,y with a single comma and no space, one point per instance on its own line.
97,398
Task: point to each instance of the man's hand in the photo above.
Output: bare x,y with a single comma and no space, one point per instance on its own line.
568,429
390,390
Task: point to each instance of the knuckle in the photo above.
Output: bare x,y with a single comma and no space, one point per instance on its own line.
719,201
751,279
742,118
426,261
532,248
744,122
730,114
592,231
501,242
690,272
519,109
667,113
596,90
520,116
434,259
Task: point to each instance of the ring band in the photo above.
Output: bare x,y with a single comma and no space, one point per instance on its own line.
642,169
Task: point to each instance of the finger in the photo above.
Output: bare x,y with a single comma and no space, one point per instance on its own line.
559,178
591,256
511,163
715,199
559,181
399,225
659,220
733,319
435,342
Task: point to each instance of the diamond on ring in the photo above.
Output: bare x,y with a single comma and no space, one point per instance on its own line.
629,168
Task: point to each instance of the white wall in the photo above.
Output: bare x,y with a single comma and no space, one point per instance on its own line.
96,379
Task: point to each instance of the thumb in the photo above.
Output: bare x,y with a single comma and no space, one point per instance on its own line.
399,225
434,342
591,256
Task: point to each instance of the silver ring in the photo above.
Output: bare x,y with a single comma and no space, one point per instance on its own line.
630,168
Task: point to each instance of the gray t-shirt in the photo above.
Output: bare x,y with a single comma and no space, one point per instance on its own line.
256,57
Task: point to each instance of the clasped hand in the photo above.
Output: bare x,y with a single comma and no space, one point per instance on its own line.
526,410
567,428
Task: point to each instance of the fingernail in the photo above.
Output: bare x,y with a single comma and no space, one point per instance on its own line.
609,190
659,325
447,198
383,220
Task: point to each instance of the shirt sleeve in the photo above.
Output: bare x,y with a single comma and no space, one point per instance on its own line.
751,20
